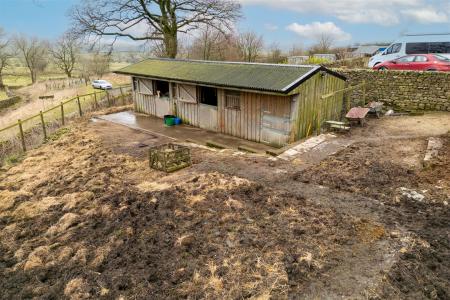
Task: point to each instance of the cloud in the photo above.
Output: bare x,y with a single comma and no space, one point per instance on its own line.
271,27
426,15
386,13
315,30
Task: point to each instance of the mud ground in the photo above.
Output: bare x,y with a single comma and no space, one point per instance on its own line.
85,218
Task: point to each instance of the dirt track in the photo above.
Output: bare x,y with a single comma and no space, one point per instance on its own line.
84,217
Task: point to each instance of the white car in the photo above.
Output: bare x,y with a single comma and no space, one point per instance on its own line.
414,44
101,84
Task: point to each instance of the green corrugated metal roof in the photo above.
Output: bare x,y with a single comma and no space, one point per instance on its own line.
263,77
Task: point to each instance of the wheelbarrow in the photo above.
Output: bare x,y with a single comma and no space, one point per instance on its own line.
357,115
375,108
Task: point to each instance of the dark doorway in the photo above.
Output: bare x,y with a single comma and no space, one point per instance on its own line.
207,95
162,87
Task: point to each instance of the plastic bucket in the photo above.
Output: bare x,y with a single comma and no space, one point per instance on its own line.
177,121
169,120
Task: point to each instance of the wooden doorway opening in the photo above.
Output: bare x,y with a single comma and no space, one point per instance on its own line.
207,95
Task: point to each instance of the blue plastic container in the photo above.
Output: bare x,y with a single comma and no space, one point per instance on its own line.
177,121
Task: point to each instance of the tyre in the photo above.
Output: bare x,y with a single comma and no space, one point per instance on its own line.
382,68
431,70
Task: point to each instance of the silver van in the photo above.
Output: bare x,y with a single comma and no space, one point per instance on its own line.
414,44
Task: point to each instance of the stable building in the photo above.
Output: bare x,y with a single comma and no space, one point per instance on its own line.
267,103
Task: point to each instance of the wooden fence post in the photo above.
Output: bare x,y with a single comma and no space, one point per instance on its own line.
123,97
62,114
95,100
79,106
43,125
364,93
107,98
22,135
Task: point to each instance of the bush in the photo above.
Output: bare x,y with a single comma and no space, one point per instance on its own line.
317,61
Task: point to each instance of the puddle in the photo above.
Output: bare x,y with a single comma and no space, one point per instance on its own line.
123,117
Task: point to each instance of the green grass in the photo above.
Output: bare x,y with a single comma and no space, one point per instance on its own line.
16,80
11,160
58,134
3,95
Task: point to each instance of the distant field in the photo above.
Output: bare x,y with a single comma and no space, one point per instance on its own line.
118,65
25,79
19,76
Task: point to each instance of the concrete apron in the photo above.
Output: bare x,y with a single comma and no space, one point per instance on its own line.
315,149
183,133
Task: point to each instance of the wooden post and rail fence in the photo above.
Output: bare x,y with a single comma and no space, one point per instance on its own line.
362,86
96,97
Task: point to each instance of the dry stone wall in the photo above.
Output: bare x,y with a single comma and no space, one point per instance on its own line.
402,90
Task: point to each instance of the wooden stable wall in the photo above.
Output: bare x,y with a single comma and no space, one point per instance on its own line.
152,105
270,119
261,118
249,123
310,110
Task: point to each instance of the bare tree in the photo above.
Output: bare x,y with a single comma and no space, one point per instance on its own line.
151,20
210,44
65,53
249,45
275,55
100,63
296,50
34,53
324,43
94,64
5,55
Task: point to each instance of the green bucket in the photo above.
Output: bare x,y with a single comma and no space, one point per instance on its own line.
169,120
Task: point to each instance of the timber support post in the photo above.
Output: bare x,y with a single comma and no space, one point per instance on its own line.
22,135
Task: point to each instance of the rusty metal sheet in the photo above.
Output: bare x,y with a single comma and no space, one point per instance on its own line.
357,113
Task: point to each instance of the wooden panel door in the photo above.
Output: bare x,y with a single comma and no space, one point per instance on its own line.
207,117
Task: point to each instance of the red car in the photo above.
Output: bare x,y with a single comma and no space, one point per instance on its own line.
417,62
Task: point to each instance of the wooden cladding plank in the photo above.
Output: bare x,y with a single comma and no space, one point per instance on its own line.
188,112
312,111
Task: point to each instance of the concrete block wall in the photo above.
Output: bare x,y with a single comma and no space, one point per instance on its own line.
404,90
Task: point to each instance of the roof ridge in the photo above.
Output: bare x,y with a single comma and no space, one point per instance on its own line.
228,62
254,76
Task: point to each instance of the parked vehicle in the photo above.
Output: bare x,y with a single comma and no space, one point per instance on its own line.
101,84
419,62
414,44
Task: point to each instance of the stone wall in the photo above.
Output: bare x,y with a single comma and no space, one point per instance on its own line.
402,90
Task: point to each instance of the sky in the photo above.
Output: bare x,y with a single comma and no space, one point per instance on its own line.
284,22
